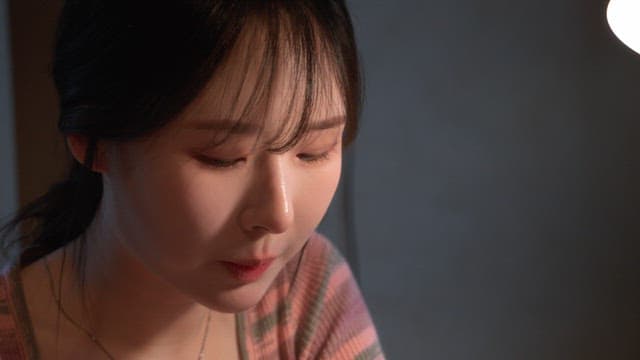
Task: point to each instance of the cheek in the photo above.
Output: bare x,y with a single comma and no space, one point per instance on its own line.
170,213
317,190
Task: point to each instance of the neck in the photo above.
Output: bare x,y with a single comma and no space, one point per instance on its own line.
127,307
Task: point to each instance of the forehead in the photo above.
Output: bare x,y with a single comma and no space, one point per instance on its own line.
267,86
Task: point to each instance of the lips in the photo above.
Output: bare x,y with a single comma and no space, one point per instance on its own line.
247,270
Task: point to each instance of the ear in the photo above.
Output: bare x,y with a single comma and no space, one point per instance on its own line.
78,145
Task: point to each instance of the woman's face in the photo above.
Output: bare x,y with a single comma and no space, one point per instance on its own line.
186,209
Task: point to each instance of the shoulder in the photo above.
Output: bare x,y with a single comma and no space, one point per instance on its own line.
328,312
320,271
313,310
14,339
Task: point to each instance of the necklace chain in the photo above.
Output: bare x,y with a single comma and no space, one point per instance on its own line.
93,338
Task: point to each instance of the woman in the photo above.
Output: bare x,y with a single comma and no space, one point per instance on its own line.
207,139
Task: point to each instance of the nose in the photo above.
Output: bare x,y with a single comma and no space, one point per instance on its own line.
269,207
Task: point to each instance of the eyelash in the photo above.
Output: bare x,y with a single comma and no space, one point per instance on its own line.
314,158
228,164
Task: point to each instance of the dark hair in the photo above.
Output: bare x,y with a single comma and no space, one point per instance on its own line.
124,69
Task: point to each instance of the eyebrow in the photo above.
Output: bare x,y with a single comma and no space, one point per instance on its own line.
249,129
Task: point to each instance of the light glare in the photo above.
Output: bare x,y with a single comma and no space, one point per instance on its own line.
624,20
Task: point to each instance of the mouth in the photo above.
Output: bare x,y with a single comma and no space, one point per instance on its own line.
248,270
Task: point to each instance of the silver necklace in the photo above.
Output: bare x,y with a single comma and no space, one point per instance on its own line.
94,338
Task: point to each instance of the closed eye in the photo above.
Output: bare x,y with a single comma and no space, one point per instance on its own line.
219,163
311,158
231,163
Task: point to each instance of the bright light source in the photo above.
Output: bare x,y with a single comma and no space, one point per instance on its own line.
624,19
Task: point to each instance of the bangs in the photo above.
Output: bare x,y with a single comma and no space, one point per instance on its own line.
282,72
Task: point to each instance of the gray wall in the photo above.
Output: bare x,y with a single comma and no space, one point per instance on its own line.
8,190
495,180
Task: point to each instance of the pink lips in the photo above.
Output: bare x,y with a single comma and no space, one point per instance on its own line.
247,270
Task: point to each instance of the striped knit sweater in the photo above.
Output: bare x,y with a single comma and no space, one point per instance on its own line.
313,310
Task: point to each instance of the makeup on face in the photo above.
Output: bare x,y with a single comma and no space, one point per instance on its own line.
248,270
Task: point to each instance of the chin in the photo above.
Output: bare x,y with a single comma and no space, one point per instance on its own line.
231,296
234,297
239,299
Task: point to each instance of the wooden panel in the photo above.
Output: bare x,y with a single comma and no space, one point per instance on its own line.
41,154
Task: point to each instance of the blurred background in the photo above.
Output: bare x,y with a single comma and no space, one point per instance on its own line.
490,206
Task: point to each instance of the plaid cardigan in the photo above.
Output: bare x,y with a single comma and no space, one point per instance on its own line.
313,310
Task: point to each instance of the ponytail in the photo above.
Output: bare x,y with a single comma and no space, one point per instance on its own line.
54,219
